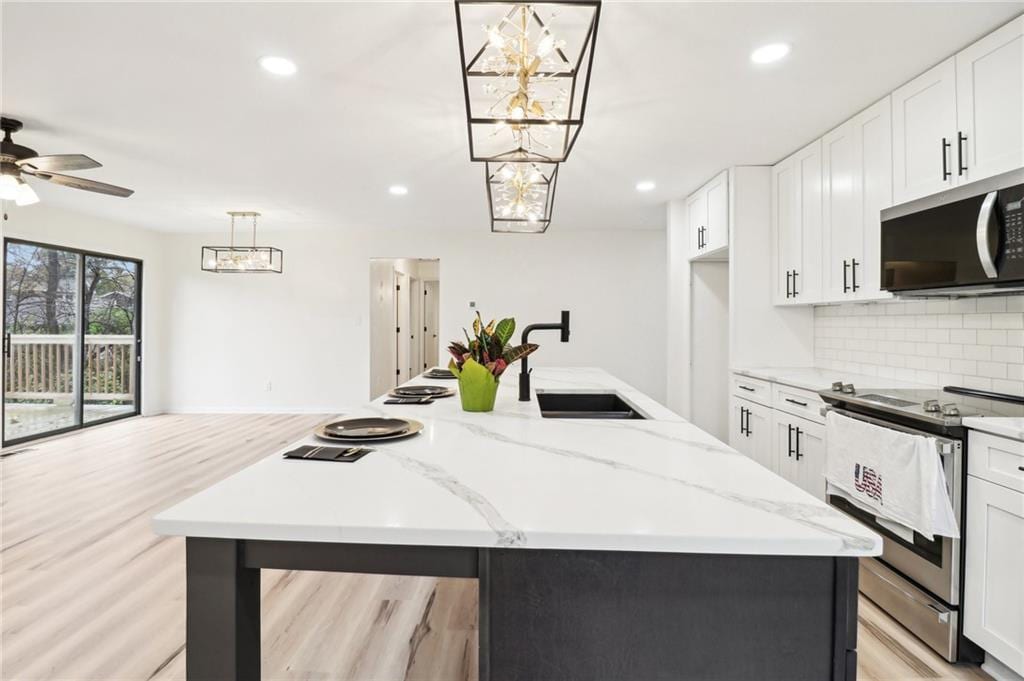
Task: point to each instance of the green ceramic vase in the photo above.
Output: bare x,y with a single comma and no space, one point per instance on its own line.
477,386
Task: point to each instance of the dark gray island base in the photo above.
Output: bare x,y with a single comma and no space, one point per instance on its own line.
566,615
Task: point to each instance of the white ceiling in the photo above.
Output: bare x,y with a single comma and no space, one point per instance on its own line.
170,98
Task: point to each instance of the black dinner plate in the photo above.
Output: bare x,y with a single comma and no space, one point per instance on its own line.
422,391
371,426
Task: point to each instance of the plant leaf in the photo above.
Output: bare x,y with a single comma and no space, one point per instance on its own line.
504,330
519,351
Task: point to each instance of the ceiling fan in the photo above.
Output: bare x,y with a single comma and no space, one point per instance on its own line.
16,160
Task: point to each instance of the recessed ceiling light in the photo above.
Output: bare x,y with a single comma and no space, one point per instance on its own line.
279,66
398,190
645,186
766,54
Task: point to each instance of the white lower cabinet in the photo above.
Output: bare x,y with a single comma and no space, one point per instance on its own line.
750,431
800,452
994,570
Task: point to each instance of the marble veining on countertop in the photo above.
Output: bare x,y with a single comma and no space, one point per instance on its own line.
512,478
817,378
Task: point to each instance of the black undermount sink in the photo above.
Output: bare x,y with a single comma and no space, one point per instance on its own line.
585,406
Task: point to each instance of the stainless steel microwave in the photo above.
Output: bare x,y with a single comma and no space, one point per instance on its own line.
964,241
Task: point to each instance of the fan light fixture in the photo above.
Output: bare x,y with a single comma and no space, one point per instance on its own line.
525,74
521,193
242,258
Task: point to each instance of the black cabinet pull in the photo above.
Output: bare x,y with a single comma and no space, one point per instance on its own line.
798,433
960,139
748,423
802,404
795,273
790,426
742,411
946,174
747,388
789,293
846,286
853,268
7,345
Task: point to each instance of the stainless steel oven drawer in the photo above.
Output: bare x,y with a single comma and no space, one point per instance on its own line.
930,620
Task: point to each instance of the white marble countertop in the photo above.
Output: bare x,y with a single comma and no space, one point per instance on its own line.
511,478
816,378
1005,426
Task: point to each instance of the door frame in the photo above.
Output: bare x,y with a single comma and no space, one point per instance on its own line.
80,402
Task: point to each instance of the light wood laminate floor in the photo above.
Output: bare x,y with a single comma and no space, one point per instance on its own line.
89,592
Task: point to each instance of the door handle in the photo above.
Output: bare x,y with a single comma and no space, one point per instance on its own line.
985,219
946,174
790,437
798,432
853,269
960,139
846,286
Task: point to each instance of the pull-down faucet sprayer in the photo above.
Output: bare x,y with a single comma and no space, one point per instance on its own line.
524,374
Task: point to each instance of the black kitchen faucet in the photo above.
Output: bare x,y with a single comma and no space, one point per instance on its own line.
524,374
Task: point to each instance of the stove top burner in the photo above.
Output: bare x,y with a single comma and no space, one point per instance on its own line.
938,407
891,401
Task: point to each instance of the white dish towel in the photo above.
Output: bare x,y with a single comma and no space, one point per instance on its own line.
895,475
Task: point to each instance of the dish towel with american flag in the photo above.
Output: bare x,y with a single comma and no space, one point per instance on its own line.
893,475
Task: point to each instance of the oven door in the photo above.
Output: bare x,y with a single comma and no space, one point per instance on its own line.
932,564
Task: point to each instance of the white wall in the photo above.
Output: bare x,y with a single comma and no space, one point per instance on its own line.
306,331
972,342
47,224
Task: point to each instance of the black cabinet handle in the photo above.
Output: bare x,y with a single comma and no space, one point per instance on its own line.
846,287
7,345
802,404
854,264
747,388
795,273
789,293
790,426
748,423
945,170
798,433
742,411
960,139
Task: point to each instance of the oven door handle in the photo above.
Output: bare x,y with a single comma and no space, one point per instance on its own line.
946,445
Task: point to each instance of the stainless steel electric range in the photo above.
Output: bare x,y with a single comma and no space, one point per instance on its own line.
919,581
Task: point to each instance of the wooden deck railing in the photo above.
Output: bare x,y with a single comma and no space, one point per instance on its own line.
41,367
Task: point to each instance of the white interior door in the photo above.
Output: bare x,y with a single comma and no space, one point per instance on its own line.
431,317
415,327
924,133
402,367
990,104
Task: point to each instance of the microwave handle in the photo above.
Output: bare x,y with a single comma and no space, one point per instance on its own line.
985,218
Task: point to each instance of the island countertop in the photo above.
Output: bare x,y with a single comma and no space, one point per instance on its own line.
510,478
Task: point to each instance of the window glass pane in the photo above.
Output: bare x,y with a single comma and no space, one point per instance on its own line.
40,325
110,305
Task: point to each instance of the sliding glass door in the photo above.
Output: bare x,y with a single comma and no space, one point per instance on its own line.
71,341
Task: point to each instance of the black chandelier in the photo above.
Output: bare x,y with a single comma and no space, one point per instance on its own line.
242,259
525,74
520,193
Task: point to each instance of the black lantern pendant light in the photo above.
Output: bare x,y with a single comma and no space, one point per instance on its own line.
242,259
525,73
520,193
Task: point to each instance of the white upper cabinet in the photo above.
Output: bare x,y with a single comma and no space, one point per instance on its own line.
796,226
856,186
708,216
990,104
924,133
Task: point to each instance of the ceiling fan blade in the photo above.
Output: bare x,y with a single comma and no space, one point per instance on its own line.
60,162
82,183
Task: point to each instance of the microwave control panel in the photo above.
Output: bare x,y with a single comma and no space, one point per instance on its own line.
1013,232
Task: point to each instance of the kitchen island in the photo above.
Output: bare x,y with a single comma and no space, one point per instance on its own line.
604,549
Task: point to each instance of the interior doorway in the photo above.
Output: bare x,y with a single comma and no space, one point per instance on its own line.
404,314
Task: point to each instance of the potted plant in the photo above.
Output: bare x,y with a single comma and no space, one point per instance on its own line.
481,360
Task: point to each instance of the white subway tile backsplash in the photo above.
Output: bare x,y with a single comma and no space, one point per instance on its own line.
975,342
